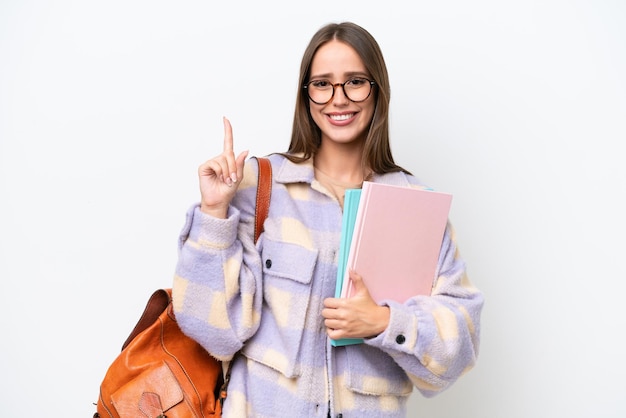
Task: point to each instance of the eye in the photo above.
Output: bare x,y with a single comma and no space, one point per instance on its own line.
357,82
320,84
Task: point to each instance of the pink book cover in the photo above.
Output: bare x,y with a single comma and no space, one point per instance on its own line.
397,239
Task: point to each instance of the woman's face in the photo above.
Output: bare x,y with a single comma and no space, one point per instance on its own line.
341,120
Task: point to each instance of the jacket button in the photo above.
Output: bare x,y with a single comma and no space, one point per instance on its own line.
268,263
400,339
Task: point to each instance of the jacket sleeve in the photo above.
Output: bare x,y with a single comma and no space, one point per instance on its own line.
435,339
217,292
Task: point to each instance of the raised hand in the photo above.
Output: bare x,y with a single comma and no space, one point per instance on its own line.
220,177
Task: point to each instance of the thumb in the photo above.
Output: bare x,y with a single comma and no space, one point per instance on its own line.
358,286
240,162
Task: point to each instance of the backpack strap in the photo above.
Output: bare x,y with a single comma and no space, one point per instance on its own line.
263,193
156,305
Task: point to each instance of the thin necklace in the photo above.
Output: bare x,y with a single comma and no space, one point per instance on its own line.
335,188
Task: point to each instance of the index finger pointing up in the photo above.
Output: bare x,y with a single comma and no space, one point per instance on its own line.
228,136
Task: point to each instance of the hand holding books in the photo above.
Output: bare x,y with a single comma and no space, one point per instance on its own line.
361,315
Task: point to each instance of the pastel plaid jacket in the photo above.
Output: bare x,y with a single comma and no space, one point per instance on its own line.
266,300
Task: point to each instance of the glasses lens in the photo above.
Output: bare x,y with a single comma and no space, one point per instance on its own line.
320,91
357,89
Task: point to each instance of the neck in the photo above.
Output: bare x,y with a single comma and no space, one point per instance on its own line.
342,163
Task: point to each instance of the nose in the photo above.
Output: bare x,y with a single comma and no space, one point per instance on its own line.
340,96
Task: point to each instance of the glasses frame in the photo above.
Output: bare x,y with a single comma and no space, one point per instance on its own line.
343,87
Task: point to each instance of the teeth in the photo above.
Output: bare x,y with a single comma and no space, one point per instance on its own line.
341,117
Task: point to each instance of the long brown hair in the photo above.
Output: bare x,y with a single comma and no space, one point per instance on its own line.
306,135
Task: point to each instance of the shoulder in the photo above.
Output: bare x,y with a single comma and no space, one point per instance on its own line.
286,171
283,171
399,178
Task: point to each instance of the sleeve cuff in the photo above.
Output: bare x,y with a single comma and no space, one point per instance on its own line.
401,333
208,230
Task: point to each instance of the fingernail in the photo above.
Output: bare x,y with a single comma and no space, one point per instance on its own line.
233,177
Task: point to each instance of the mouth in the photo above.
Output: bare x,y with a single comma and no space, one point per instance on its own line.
342,117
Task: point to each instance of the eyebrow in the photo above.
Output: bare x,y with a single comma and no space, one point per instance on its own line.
346,75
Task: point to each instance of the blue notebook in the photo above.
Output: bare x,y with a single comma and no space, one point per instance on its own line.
350,208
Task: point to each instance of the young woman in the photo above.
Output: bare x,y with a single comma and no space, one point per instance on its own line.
274,300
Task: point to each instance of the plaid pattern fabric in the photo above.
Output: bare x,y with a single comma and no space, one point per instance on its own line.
267,298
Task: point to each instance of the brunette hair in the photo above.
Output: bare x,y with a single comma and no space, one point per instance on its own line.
306,136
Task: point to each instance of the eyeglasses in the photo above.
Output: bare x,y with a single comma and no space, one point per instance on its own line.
322,91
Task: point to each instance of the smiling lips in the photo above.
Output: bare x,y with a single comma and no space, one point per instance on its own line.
342,117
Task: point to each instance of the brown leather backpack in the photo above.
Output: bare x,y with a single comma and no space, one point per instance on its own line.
161,372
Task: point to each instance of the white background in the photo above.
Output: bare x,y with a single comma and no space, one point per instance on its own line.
518,108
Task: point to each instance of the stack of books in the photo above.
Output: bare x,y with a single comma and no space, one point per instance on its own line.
391,236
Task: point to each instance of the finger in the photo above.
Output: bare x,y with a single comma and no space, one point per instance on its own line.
332,303
354,275
220,168
358,286
240,163
334,324
228,136
330,313
211,168
232,172
334,334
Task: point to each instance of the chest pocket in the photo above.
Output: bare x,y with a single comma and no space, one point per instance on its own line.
287,273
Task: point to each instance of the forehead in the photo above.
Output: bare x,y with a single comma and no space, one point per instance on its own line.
336,58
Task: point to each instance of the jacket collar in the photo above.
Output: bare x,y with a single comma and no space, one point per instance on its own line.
288,172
